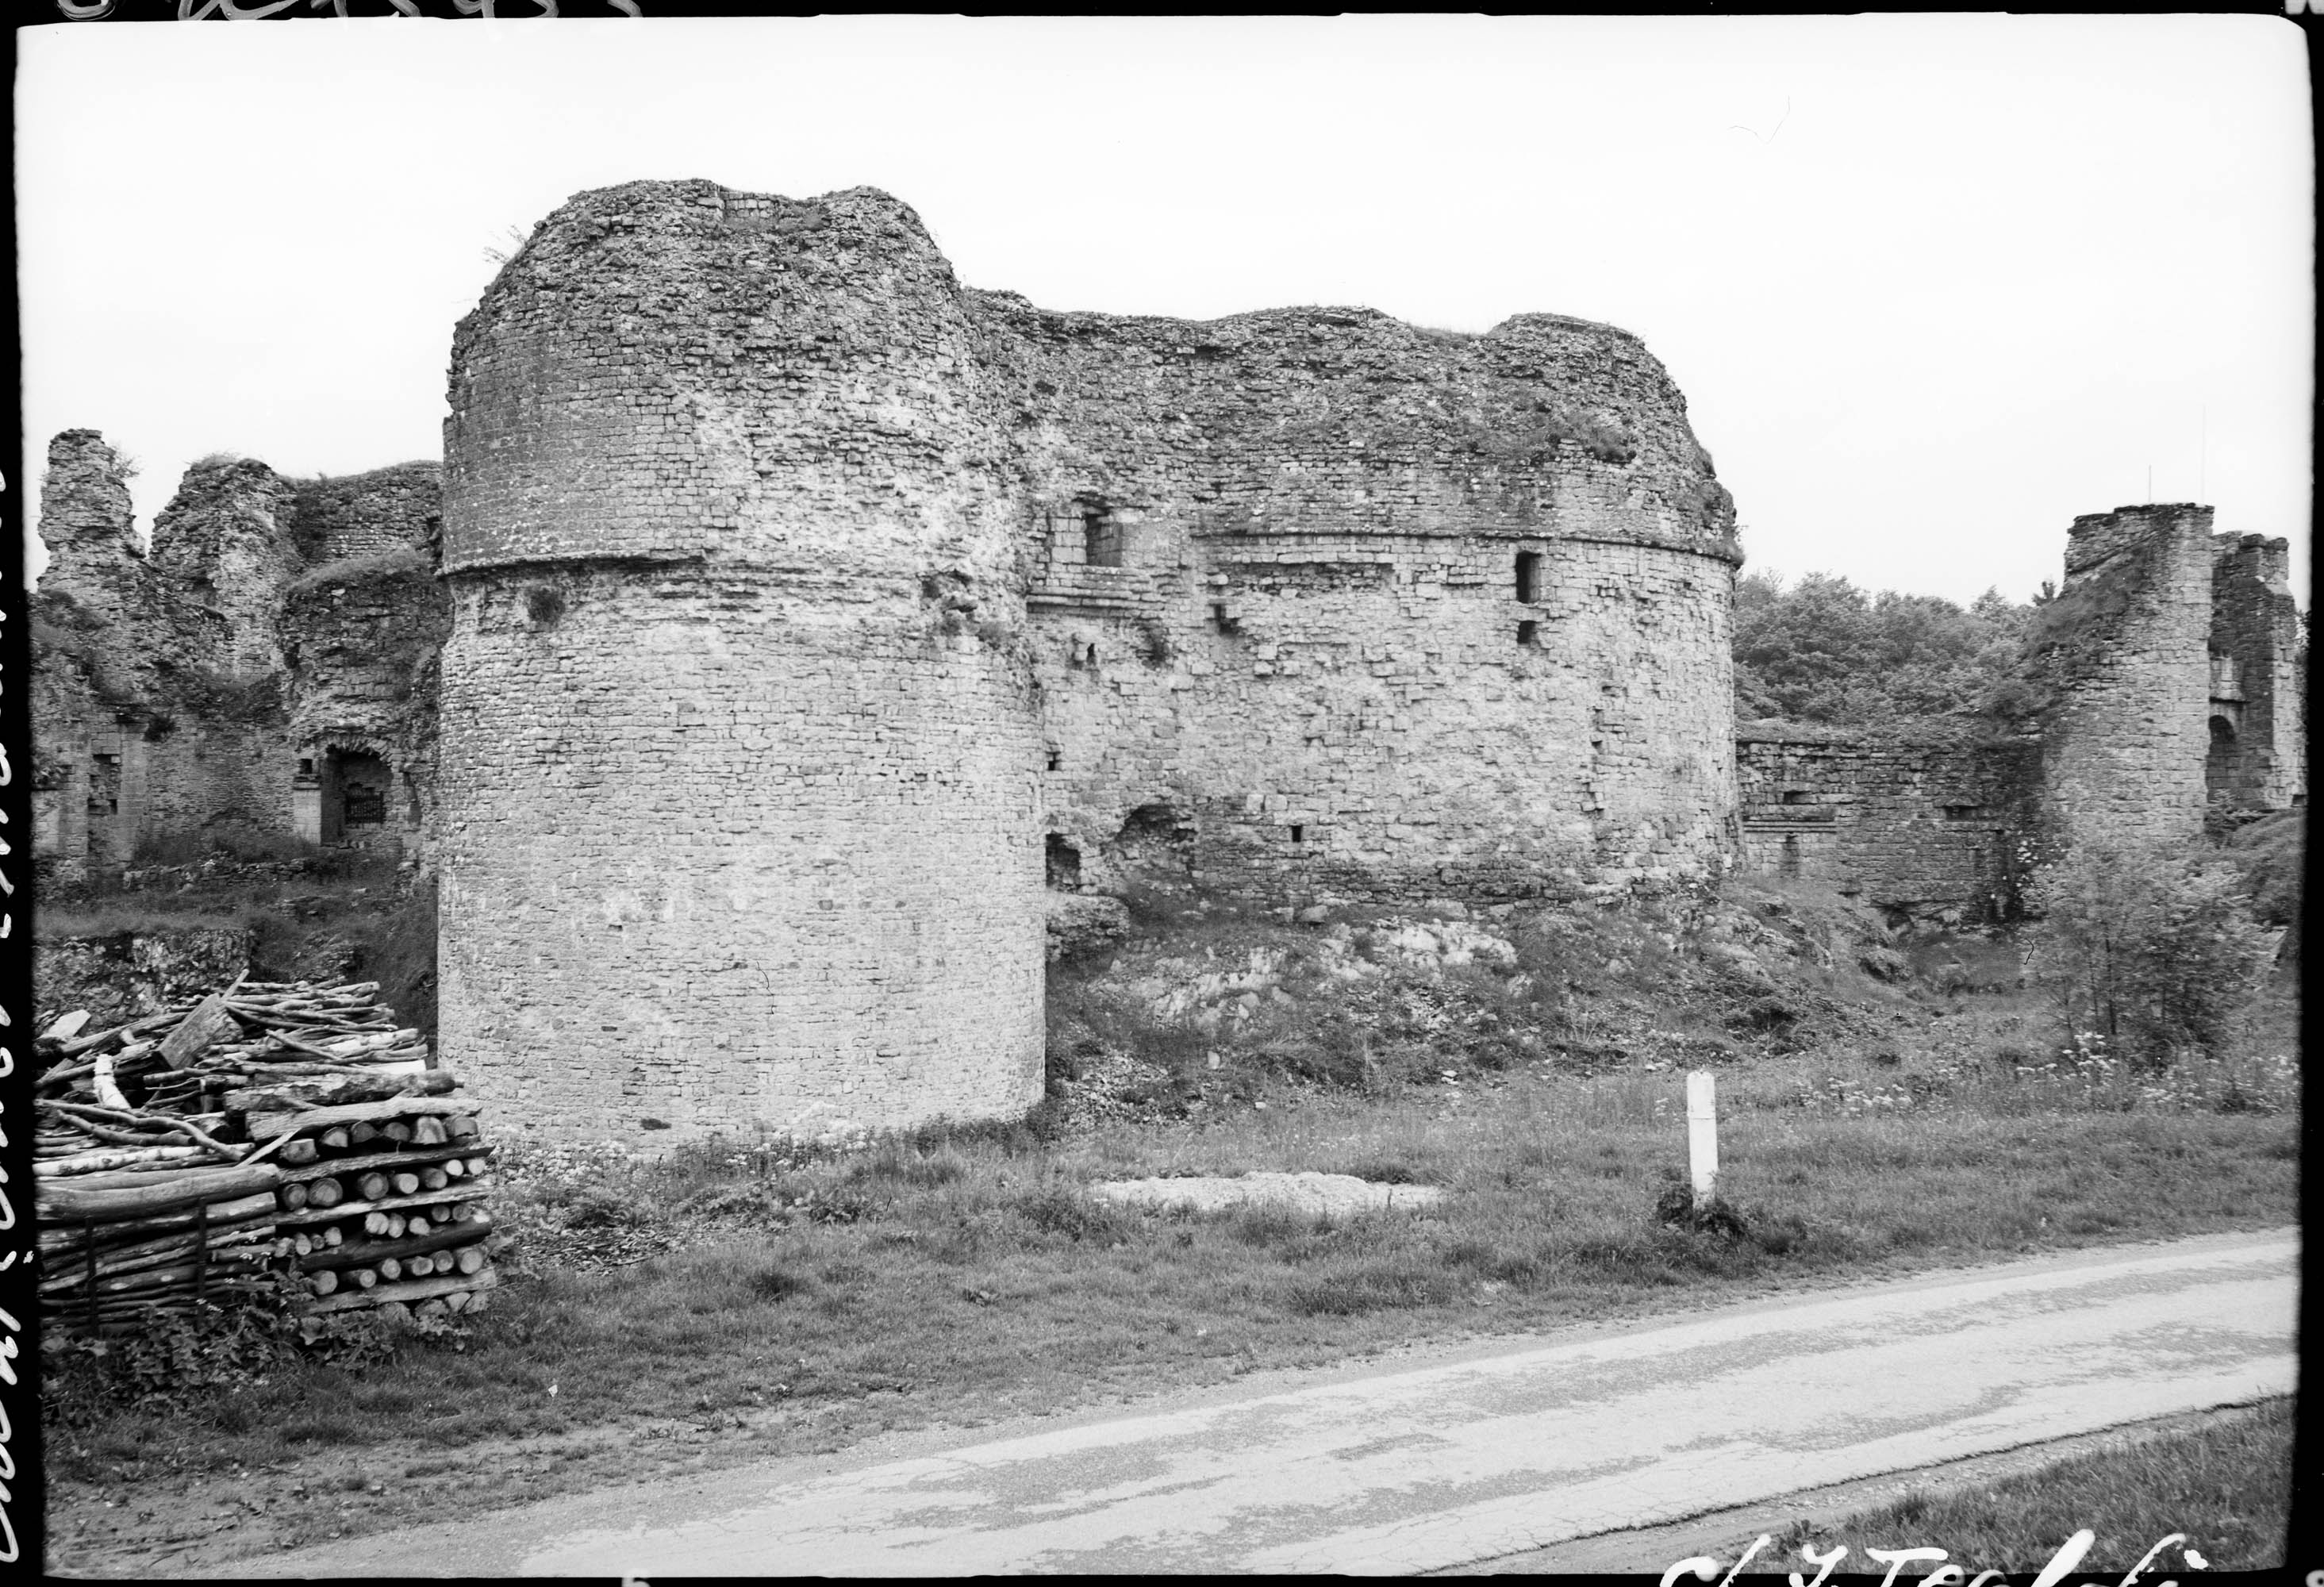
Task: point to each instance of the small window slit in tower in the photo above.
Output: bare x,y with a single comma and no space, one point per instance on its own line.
1528,577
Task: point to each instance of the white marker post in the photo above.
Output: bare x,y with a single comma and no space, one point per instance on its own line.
1702,1135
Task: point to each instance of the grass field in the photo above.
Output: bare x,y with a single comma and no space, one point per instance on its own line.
2225,1490
963,1275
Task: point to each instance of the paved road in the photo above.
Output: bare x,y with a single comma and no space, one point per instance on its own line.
1469,1459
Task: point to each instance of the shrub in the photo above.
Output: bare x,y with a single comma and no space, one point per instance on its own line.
2145,943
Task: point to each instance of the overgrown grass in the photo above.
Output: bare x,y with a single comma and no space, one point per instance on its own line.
964,1275
2226,1487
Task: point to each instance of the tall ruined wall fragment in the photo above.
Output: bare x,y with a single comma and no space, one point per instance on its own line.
809,611
225,538
2126,649
168,708
740,822
2258,743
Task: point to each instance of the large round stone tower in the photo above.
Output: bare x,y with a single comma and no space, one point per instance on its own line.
739,809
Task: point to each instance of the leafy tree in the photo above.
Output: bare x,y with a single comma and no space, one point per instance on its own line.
1824,651
2147,945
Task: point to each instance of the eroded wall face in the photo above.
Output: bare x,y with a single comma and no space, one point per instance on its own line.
362,638
157,686
1926,828
1380,717
739,812
2258,740
2129,660
803,597
699,868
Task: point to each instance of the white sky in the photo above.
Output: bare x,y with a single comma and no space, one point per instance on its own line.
1932,286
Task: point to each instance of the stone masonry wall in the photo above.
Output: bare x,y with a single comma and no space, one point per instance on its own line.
157,706
1926,828
366,514
2258,747
363,639
739,820
801,596
165,698
2125,648
1310,653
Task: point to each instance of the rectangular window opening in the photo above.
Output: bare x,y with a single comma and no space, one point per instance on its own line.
1528,577
1102,538
1299,832
1528,633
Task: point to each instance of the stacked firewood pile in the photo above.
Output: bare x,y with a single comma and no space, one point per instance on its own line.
274,1126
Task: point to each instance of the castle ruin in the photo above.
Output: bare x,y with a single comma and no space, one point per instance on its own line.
802,640
812,612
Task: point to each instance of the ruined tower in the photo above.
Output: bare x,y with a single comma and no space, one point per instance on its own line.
738,802
2128,655
810,610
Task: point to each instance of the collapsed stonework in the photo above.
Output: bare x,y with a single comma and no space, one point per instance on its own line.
235,682
811,611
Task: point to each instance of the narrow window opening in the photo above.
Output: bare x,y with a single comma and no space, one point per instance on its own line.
1528,577
1790,865
1795,796
1529,633
1299,832
1065,863
306,765
1102,538
1057,759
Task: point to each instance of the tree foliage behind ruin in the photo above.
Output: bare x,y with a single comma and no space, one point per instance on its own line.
1822,650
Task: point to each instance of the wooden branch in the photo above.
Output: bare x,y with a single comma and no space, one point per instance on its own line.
182,1188
408,1292
369,1252
267,1127
365,1161
97,1162
463,1190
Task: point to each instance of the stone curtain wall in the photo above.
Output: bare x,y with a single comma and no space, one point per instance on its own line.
800,595
2257,687
740,815
2125,647
360,515
1921,828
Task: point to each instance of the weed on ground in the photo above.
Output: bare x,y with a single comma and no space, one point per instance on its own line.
2225,1491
